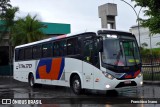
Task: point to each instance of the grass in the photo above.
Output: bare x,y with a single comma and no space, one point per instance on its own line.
156,49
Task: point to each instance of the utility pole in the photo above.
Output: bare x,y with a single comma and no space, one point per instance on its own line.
137,15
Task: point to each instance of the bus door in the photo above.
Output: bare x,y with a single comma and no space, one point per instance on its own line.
88,61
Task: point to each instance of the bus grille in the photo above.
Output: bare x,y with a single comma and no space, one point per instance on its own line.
122,84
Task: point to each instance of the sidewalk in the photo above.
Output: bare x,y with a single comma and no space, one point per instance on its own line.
6,76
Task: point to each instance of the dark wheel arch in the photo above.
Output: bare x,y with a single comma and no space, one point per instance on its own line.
31,80
75,84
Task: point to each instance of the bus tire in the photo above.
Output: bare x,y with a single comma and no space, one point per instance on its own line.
31,80
76,85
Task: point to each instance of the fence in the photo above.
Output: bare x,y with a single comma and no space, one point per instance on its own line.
151,68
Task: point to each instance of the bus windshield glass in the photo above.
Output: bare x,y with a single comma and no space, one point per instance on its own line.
119,51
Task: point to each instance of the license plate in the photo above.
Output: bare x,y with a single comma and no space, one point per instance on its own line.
127,82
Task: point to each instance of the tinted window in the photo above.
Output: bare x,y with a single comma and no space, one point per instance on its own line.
62,49
72,46
37,52
47,50
28,53
16,55
88,50
128,48
59,48
21,54
56,47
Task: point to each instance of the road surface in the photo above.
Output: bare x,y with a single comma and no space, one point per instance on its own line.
55,96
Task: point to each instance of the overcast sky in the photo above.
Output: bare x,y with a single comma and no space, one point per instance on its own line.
81,14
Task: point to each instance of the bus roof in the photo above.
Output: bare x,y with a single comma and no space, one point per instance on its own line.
67,35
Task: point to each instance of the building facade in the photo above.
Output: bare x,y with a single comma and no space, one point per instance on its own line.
145,37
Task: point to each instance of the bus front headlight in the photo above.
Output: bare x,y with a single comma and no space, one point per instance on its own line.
108,75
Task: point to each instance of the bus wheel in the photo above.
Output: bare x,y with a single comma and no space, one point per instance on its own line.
31,80
76,85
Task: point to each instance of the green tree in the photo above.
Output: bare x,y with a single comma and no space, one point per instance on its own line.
7,15
144,45
158,44
152,11
27,30
8,19
4,5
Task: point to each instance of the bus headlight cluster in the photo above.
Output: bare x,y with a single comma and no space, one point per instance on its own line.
140,75
108,75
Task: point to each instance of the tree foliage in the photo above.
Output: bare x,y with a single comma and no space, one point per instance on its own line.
152,11
144,44
4,5
26,30
23,30
6,16
10,15
158,44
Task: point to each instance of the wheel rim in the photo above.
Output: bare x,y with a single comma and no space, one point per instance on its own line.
76,85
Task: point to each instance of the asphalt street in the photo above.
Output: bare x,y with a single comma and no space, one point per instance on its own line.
20,94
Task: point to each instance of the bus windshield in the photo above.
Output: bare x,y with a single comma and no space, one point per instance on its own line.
120,52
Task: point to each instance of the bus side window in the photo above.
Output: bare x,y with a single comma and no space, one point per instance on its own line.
37,52
47,50
72,48
16,54
78,46
88,50
28,53
62,48
21,54
56,49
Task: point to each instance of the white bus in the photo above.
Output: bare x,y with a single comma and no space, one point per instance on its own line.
98,60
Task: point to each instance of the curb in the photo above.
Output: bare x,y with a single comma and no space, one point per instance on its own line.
152,82
6,76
